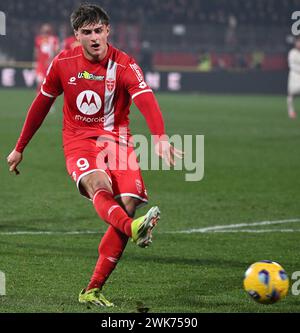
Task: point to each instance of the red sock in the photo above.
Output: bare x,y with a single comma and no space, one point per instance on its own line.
111,212
110,249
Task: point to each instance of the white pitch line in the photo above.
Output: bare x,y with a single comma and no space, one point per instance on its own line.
213,229
256,231
235,226
83,232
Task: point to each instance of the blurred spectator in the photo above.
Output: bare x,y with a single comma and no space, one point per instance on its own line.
45,48
205,62
231,33
146,57
294,77
251,24
241,62
255,12
69,40
128,38
257,59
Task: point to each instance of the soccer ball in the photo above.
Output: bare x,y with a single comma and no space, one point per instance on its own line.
266,282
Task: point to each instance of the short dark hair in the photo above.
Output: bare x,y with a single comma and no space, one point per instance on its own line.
88,14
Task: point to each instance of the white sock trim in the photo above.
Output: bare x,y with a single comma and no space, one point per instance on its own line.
98,191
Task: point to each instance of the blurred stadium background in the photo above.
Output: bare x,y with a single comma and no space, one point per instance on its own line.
215,39
219,68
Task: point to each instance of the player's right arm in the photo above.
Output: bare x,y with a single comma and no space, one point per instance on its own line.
13,160
37,112
35,117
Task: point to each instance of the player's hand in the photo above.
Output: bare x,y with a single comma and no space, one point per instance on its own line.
13,159
167,152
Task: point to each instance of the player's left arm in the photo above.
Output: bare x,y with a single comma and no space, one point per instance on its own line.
146,102
148,106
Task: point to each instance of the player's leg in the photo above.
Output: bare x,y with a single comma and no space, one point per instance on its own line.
91,182
293,89
103,186
94,182
99,189
119,212
290,105
97,186
129,204
130,191
110,251
141,228
112,244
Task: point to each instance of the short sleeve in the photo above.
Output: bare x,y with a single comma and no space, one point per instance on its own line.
52,86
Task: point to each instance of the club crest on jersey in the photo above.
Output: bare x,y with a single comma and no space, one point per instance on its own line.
110,84
139,186
88,102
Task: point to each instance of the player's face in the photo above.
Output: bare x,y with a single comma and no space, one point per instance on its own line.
93,38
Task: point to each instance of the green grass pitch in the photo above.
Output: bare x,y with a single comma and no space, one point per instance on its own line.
252,174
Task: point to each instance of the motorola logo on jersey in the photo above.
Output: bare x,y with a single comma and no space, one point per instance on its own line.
88,102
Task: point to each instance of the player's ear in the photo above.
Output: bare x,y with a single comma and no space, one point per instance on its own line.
108,29
76,35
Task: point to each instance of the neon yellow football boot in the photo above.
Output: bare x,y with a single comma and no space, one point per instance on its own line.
95,297
141,228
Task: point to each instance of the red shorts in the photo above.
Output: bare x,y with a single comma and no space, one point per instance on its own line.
117,161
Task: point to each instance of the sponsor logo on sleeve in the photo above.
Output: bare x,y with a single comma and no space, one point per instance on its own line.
137,71
143,85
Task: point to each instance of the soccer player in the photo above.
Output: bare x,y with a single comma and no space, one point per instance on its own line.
46,46
99,82
294,77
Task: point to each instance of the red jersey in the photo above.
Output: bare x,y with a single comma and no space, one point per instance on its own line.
97,95
46,48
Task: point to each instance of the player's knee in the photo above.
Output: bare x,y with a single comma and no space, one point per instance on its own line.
130,211
129,205
94,182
